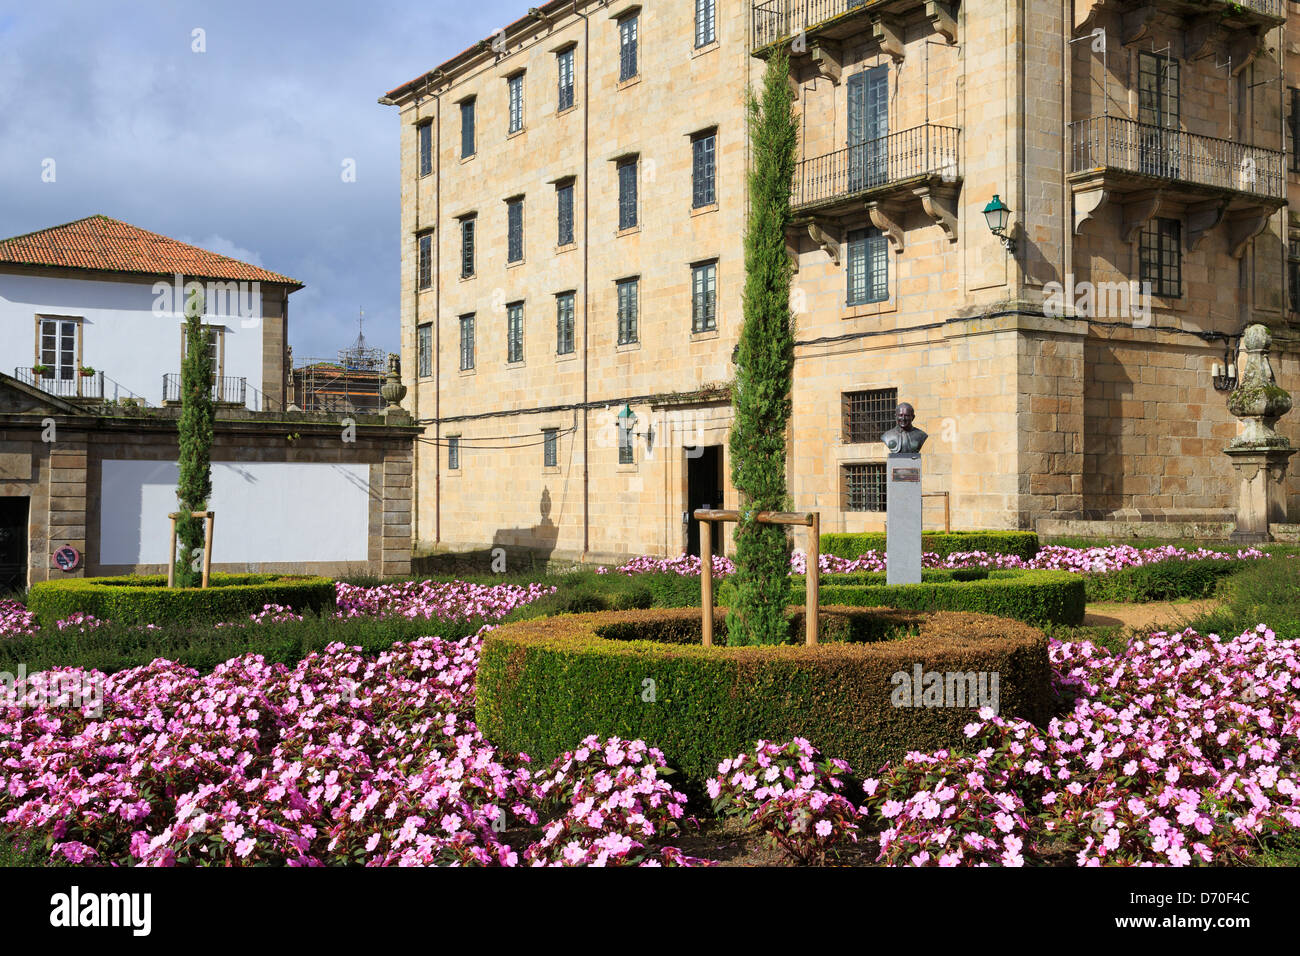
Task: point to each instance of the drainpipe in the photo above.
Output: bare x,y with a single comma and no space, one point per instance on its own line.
586,247
437,319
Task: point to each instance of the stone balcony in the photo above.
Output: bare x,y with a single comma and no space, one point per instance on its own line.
1141,167
1230,29
879,178
825,22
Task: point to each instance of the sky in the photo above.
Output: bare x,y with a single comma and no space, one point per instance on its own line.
240,148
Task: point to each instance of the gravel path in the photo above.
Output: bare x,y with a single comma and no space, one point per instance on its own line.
1156,616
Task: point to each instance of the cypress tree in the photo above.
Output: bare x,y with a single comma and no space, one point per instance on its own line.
197,414
764,369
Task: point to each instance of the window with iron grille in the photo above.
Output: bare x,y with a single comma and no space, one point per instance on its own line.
515,332
864,486
626,455
627,36
466,342
1293,272
564,323
514,230
453,452
704,296
1160,257
564,213
516,86
467,247
868,266
467,129
869,414
424,350
627,194
564,68
627,311
705,22
1293,125
703,189
550,447
426,260
425,131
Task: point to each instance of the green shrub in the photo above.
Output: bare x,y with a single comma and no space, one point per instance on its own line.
115,647
1023,544
146,599
1163,581
1266,592
543,685
1037,597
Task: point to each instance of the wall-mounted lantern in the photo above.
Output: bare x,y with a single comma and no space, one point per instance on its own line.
997,214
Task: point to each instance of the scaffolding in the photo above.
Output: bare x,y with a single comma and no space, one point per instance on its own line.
349,384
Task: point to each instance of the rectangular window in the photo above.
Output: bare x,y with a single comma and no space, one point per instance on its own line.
1160,257
869,414
627,194
564,323
1293,126
550,447
627,311
467,247
627,31
466,342
564,68
1293,272
626,455
515,332
703,178
425,276
424,350
453,452
864,487
516,102
215,335
1159,110
58,347
515,230
426,148
564,213
704,297
467,129
868,266
705,22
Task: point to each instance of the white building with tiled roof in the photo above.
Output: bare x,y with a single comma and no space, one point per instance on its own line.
93,310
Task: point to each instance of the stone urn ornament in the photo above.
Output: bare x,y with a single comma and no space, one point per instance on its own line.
1259,454
393,391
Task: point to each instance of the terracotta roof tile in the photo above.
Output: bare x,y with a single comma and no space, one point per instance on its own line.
108,245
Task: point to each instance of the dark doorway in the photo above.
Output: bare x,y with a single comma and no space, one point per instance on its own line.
13,544
703,490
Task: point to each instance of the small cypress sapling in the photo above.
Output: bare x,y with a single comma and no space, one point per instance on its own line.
196,425
764,370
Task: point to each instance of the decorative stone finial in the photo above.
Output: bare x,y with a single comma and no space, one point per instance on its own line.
1258,400
393,391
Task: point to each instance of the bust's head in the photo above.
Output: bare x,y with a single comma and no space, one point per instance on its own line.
906,413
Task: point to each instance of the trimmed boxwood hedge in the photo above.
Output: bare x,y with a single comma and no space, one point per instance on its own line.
545,684
1037,597
1023,544
146,599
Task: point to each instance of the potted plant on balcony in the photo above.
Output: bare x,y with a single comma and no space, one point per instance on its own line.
87,371
42,371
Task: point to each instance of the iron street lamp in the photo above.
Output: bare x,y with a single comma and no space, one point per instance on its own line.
997,215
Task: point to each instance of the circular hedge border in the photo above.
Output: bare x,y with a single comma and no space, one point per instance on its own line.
545,684
146,599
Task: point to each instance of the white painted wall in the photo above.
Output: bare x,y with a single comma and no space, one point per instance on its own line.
121,335
265,512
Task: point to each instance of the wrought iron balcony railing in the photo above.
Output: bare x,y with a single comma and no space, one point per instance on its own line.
777,19
1114,142
226,389
65,383
922,151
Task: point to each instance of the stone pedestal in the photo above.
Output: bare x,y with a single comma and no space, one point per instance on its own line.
903,519
1261,490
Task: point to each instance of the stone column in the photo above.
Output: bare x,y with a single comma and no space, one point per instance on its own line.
1259,454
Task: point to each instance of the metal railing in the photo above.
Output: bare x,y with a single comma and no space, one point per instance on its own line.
74,385
1114,142
927,150
226,389
776,19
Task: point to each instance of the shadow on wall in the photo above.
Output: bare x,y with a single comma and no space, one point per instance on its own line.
512,550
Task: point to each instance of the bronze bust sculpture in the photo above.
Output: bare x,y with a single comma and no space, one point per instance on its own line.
904,439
